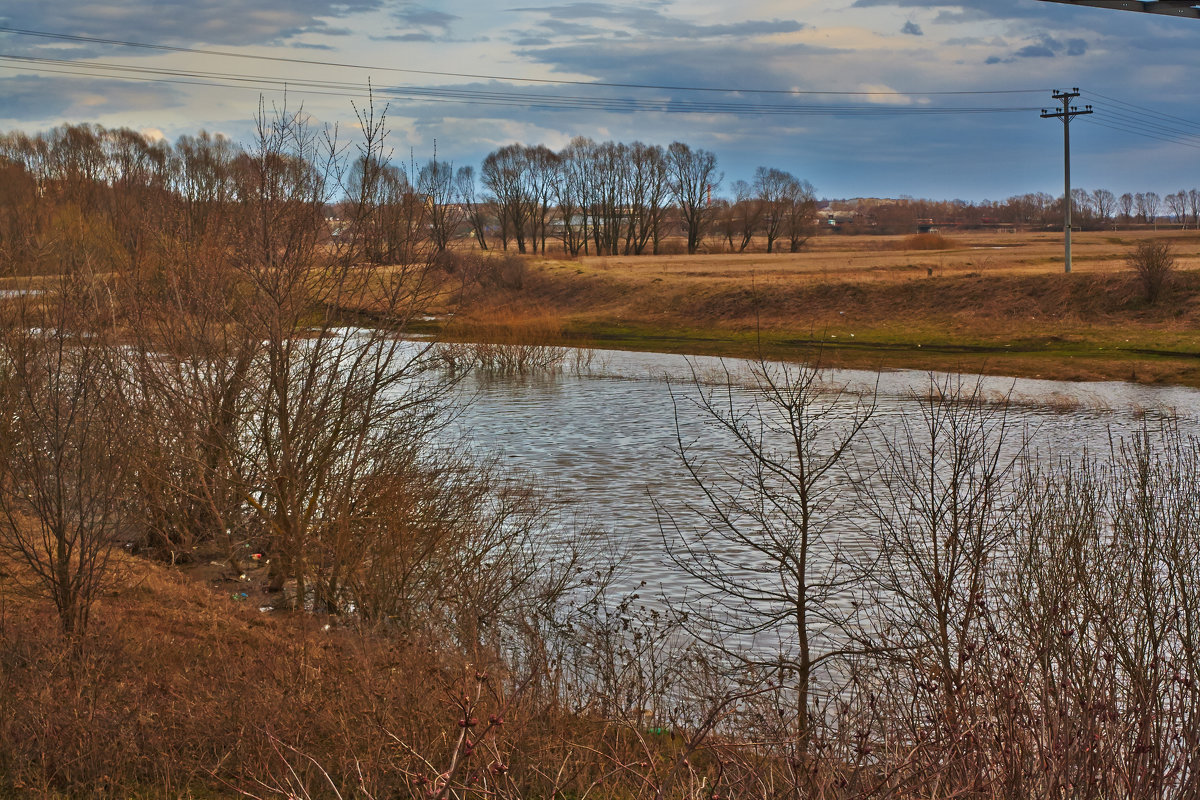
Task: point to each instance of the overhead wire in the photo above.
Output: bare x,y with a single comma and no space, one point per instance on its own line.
1162,130
480,96
1137,120
1145,110
1162,127
476,76
1137,132
1174,129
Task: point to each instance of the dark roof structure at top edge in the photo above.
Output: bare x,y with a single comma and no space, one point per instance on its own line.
1176,8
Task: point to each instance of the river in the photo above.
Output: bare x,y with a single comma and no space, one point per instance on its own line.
605,435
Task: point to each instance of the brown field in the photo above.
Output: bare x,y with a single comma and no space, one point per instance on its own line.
992,302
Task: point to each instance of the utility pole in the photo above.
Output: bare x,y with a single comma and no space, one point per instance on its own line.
1068,113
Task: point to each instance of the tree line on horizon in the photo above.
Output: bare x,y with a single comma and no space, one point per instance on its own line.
590,198
1098,209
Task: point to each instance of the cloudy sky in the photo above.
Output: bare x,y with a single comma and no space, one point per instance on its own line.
929,98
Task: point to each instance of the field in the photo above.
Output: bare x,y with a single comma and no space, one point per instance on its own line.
990,302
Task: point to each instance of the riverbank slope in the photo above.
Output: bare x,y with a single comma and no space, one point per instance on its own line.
993,303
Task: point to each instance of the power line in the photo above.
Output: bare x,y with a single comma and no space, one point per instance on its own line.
1133,119
507,78
480,96
1144,109
1143,134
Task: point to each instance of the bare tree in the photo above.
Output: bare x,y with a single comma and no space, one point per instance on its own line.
747,214
648,191
1177,204
541,174
65,480
436,183
1147,204
1126,203
772,186
1105,203
1152,205
763,546
800,218
574,194
1083,212
334,407
693,178
473,205
942,522
504,174
608,176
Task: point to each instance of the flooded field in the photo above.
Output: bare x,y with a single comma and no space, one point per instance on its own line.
607,436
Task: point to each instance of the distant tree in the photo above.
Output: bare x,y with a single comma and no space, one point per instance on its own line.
1147,205
474,207
747,214
138,179
774,189
504,175
1152,204
22,214
608,178
1105,203
540,175
1177,204
724,221
1194,206
1082,212
1126,204
573,193
693,177
1034,209
648,190
439,191
202,178
800,218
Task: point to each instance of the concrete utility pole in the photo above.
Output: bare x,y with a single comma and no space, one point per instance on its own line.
1068,113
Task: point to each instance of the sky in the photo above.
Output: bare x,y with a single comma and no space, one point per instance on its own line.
915,122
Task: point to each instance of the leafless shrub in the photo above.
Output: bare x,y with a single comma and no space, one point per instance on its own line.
448,543
65,476
506,340
1154,264
503,270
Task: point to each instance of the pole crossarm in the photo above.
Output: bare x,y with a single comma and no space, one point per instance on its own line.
1069,112
1175,8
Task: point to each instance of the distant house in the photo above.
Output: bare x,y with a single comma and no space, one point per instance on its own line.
837,219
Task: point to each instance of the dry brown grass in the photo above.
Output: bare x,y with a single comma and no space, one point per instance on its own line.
925,241
180,691
179,687
883,258
996,302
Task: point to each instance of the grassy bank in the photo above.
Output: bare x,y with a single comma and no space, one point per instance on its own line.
997,304
184,688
